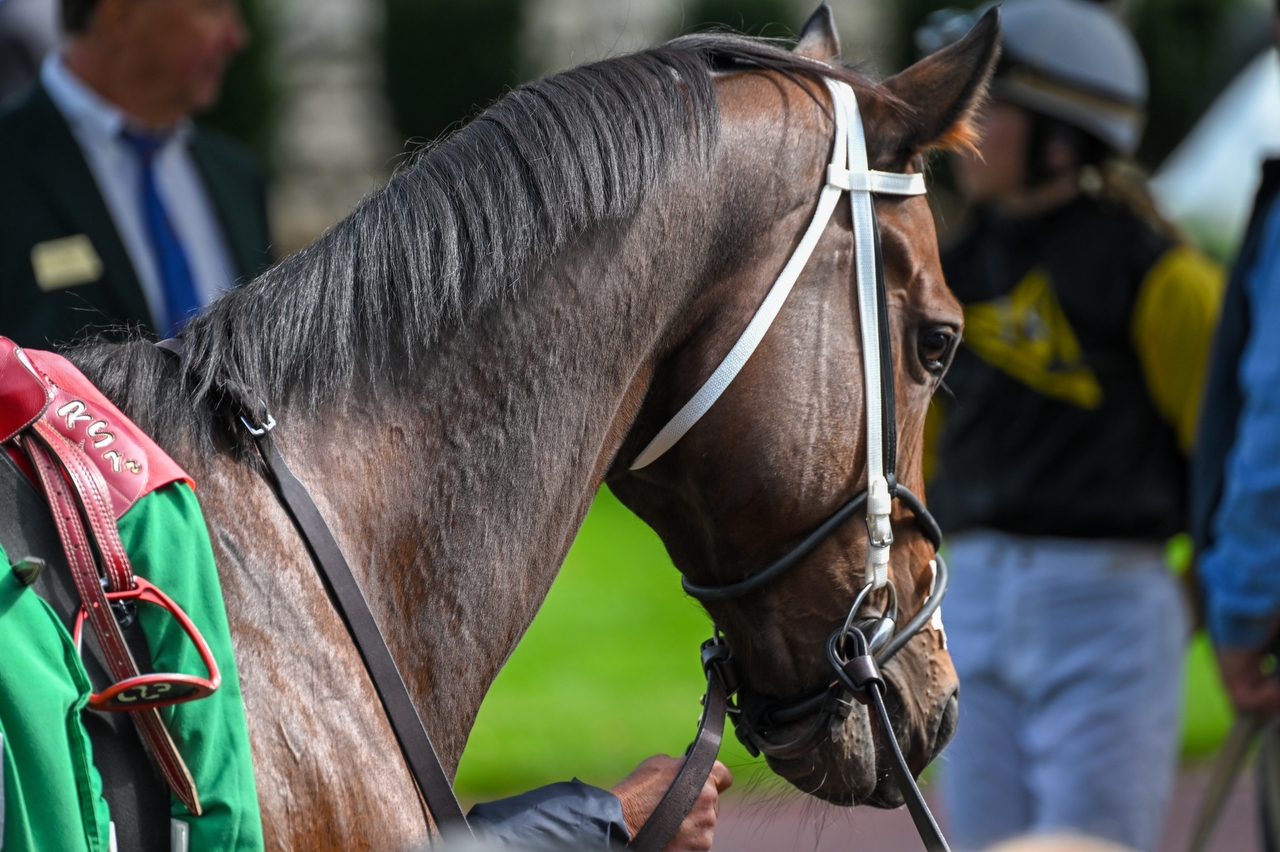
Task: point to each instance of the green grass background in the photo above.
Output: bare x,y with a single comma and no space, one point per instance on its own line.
608,674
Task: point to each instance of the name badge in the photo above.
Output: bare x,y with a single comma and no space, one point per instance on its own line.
65,262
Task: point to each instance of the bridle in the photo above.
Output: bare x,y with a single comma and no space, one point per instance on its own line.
854,658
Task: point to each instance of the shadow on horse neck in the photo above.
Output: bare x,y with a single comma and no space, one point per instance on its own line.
457,366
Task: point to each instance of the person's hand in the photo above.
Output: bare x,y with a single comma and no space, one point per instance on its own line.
641,791
1251,689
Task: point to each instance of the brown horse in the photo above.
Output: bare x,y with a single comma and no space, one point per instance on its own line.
459,365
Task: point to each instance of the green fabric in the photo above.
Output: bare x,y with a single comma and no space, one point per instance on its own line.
165,537
52,798
52,794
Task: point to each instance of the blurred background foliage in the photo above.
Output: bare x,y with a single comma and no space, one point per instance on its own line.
769,18
446,59
1193,49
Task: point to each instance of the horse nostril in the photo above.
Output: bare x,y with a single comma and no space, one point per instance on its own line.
948,719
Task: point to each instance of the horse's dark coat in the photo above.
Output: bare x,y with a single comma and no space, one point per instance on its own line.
457,366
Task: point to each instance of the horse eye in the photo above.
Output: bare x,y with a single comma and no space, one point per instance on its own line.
935,346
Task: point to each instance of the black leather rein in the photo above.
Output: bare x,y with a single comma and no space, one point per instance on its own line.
856,676
415,743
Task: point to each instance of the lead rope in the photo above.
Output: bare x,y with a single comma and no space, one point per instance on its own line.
861,676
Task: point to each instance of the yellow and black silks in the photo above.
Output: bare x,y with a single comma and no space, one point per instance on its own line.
1077,388
52,795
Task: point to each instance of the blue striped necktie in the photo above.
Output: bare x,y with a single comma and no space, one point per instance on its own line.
180,299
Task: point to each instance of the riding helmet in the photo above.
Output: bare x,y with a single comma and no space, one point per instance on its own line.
1072,60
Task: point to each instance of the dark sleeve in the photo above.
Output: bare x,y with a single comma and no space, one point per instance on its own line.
569,815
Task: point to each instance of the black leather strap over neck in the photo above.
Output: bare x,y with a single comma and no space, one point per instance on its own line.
415,743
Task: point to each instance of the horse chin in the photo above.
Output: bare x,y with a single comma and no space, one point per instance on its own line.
855,769
842,771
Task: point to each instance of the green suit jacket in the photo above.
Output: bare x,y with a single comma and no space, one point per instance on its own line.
50,205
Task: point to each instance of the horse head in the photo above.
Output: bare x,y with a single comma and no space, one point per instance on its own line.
785,445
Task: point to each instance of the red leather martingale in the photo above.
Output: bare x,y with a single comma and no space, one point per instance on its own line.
131,463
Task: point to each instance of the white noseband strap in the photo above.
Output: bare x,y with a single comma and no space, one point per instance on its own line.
848,172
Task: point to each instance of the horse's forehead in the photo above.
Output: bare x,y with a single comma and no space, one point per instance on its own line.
758,94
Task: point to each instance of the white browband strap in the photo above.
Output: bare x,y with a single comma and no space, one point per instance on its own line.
860,182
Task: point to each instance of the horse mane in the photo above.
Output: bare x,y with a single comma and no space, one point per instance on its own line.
464,223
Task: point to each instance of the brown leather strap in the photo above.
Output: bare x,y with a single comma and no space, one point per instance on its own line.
683,793
64,480
415,744
95,501
419,753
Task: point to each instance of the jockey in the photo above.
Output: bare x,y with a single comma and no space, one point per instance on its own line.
1061,462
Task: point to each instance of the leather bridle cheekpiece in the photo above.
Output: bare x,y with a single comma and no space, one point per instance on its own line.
855,658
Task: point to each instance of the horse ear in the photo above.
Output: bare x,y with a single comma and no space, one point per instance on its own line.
818,37
945,90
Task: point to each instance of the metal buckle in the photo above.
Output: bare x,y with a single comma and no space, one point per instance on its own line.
885,625
143,692
879,530
265,428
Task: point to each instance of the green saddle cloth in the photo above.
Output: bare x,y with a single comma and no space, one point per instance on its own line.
51,800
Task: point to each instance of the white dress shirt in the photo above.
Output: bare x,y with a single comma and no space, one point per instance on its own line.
97,125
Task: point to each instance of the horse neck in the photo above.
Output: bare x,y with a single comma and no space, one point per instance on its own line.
474,477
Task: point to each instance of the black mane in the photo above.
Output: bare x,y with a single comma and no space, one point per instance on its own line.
462,225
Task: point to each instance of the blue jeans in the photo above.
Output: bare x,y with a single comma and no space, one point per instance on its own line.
1070,656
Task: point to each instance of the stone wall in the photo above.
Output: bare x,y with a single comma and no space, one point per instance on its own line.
561,33
334,141
334,136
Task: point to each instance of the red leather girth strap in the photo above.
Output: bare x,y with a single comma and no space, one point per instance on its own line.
62,467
